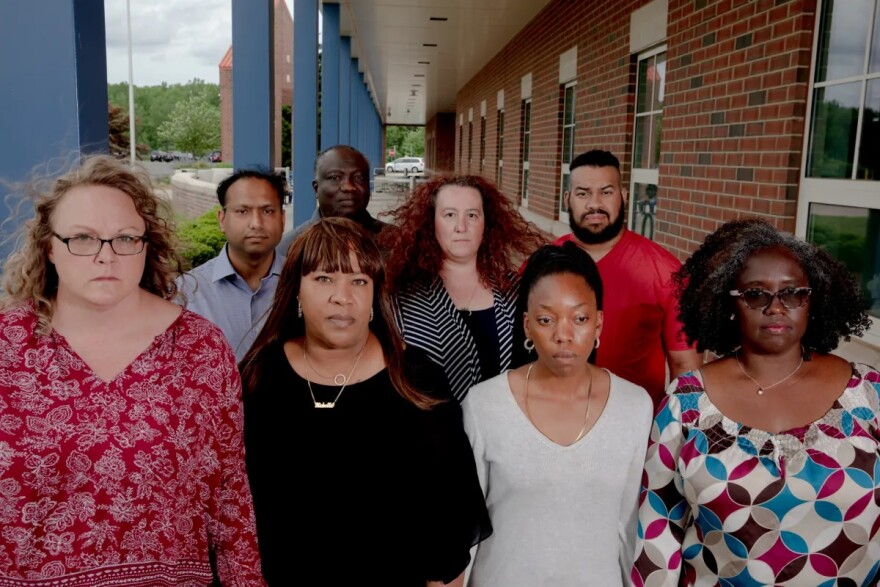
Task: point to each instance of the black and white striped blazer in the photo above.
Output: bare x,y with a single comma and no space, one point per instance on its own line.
428,319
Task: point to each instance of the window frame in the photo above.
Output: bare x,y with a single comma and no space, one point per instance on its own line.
564,170
525,151
641,175
835,191
499,146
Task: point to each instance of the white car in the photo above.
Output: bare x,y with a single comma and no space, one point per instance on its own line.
406,165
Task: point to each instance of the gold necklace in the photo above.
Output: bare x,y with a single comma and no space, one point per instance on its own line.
761,389
332,404
586,413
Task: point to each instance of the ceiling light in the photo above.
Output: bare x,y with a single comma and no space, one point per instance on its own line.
429,44
439,18
419,75
424,63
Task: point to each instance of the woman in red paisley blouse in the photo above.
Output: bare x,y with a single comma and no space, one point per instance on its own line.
121,458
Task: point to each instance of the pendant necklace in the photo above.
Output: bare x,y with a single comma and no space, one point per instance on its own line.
762,388
470,302
586,413
345,379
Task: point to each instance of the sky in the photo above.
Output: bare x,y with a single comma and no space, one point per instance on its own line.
172,42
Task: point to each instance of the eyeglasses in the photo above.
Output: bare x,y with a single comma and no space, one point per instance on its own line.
84,245
756,298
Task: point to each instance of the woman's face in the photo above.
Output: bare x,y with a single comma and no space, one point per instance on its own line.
774,328
563,322
103,279
459,222
336,306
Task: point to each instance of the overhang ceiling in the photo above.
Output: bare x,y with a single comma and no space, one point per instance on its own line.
410,79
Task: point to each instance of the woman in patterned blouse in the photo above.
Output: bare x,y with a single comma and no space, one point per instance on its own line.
763,466
121,450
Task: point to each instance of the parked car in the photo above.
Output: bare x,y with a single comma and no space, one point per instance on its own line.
161,156
406,165
215,157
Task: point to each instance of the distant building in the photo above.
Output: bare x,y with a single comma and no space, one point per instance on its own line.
283,83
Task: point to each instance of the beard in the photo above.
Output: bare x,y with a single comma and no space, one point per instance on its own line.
589,237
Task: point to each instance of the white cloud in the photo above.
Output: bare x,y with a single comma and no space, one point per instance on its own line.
172,42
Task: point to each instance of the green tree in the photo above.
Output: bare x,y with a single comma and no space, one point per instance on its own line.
119,133
286,112
405,140
153,105
193,127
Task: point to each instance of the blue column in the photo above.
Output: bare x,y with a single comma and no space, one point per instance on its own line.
344,90
355,102
253,91
53,64
330,76
305,107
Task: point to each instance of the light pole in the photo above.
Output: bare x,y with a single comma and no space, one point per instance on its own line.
131,119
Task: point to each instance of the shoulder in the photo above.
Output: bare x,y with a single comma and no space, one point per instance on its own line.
18,324
201,275
193,325
564,239
634,397
487,393
648,249
864,387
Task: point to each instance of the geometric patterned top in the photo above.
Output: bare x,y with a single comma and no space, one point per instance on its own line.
726,504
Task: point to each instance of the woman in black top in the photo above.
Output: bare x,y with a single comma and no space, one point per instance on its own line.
366,430
451,268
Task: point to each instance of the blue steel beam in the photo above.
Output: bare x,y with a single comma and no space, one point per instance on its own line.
330,76
253,91
344,91
53,64
305,107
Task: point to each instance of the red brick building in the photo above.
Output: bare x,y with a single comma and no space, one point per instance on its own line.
283,83
717,109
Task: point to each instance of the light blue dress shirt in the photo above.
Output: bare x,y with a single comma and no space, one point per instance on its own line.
216,291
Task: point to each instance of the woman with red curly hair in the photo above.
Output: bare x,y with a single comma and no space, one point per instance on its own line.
452,272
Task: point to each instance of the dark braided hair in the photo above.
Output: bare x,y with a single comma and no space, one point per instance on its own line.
838,308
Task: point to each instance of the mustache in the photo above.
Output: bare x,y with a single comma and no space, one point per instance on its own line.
595,211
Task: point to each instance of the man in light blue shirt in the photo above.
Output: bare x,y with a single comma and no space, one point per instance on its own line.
234,290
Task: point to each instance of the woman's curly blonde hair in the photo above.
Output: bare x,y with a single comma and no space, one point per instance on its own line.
29,276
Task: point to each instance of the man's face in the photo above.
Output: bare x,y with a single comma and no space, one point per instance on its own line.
596,204
342,183
252,219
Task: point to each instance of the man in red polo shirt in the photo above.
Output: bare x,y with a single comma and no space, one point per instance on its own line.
641,332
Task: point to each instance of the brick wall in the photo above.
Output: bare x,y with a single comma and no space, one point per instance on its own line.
192,197
735,114
226,113
733,123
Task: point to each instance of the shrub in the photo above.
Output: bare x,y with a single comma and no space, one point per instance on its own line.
200,239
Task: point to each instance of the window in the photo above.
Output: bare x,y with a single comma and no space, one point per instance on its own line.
482,142
650,95
500,148
460,145
567,141
839,199
470,143
526,144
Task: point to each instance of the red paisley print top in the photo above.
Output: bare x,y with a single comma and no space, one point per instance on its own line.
128,482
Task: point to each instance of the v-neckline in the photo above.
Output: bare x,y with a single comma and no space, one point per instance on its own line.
61,340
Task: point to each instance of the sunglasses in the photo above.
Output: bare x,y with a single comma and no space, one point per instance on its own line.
756,298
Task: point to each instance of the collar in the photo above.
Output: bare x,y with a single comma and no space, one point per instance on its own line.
223,268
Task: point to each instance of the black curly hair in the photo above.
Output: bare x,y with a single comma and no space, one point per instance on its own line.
838,309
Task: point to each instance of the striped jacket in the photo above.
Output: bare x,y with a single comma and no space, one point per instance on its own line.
428,320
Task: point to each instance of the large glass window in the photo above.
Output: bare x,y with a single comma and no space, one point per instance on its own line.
499,148
650,96
850,235
845,130
568,126
470,144
526,145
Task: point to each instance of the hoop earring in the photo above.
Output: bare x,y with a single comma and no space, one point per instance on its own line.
371,314
733,316
299,308
596,344
529,344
